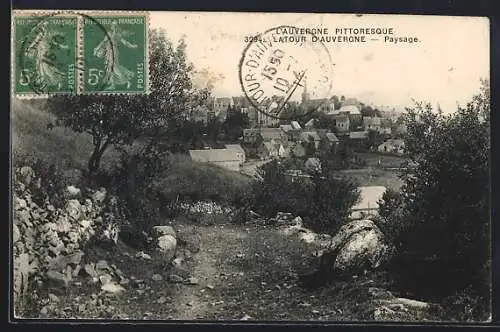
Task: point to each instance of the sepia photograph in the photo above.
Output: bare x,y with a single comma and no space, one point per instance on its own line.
250,166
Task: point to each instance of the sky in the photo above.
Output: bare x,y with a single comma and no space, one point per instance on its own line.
444,67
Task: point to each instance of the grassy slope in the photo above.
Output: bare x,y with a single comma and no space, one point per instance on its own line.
62,146
70,150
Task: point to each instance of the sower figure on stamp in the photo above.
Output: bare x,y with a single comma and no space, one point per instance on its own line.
42,49
108,49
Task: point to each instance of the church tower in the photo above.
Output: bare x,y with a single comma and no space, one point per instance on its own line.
305,94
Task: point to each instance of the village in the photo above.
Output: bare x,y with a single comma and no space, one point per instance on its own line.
343,127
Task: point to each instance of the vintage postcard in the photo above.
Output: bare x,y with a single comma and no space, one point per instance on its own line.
208,166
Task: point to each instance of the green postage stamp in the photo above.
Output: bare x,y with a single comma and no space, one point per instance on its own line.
79,53
45,54
115,53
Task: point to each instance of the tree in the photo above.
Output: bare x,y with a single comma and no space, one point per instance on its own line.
324,201
324,122
309,147
374,139
446,191
120,119
234,124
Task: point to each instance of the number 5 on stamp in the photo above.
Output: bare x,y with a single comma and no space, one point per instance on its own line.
115,54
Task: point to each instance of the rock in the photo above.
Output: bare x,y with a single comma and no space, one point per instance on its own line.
99,195
53,298
161,300
157,277
57,278
19,203
307,237
44,311
73,209
297,221
192,281
16,235
143,255
124,281
113,288
402,309
164,230
357,247
167,245
86,223
73,191
210,286
27,174
174,278
90,270
177,261
246,317
102,265
105,279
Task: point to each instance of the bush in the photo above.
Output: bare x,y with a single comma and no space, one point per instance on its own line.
133,180
323,200
391,217
441,220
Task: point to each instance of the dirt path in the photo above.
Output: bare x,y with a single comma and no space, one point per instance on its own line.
197,301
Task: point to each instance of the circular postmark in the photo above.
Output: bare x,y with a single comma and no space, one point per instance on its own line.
283,67
48,59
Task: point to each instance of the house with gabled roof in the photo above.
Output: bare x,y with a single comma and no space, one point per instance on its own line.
306,136
341,123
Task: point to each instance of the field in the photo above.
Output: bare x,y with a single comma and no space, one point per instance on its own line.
374,177
386,161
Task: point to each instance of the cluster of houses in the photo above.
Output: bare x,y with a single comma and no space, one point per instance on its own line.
271,139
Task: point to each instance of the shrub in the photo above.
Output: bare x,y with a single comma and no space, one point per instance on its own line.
133,180
441,221
323,201
391,217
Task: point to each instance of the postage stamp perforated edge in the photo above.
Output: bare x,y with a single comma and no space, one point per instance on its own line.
79,44
13,56
147,30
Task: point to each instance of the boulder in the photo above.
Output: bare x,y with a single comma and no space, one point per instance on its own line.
164,230
167,244
99,195
74,209
308,237
357,247
16,235
19,203
26,174
402,309
73,191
